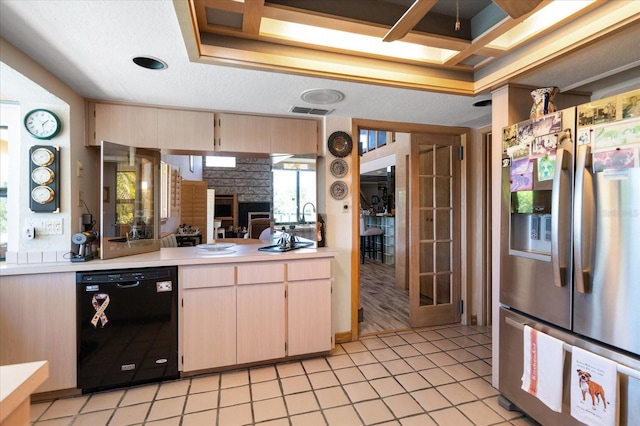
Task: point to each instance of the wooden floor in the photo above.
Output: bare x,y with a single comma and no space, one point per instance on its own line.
385,307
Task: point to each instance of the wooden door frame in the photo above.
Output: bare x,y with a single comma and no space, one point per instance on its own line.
356,124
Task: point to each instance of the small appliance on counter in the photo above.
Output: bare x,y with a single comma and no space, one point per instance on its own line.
84,242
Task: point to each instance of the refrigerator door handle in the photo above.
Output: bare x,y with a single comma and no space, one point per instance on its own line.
583,224
560,217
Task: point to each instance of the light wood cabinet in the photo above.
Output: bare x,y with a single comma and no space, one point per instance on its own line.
193,205
201,131
126,125
261,322
309,307
207,336
243,133
38,322
252,312
294,136
268,135
183,130
261,311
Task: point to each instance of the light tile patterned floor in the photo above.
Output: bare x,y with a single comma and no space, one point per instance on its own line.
429,376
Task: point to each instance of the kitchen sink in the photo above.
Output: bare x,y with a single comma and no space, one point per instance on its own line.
276,248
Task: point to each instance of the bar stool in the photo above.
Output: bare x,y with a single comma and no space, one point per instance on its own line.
368,240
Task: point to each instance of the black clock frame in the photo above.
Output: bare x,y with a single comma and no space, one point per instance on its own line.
52,206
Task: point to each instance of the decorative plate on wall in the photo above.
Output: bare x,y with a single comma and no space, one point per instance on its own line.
339,190
340,144
339,168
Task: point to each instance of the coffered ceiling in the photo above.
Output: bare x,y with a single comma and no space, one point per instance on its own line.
425,44
89,45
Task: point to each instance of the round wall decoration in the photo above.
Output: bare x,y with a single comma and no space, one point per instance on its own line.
339,190
340,144
339,168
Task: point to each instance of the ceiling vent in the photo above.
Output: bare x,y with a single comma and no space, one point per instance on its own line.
322,96
310,111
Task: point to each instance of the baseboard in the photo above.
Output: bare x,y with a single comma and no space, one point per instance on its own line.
343,337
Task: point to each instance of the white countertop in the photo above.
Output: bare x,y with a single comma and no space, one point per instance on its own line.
244,251
19,381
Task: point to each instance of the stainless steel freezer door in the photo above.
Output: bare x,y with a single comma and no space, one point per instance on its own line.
511,367
607,296
537,284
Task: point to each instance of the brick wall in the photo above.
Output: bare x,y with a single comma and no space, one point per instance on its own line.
250,180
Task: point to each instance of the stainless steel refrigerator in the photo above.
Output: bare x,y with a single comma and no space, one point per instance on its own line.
570,238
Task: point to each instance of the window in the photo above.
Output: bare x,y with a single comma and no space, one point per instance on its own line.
292,189
126,198
372,139
216,161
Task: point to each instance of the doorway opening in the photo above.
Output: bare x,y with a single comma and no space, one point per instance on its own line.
373,281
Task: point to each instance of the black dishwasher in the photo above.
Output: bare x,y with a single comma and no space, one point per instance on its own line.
127,327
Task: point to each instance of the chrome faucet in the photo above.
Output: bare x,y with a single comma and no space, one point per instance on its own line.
302,218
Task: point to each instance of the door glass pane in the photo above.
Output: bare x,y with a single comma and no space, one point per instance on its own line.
443,224
426,257
443,192
426,160
443,161
426,224
426,191
443,257
443,289
426,290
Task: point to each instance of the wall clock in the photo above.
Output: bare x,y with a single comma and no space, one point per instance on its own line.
42,123
42,175
44,167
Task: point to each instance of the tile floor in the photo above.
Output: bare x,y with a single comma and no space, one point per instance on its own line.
428,376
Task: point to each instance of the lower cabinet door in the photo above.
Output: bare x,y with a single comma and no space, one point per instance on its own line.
261,322
309,317
208,328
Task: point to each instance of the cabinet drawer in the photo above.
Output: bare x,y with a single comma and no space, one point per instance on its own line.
200,276
309,270
259,273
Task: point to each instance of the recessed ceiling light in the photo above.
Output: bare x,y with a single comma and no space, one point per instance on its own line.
322,96
149,62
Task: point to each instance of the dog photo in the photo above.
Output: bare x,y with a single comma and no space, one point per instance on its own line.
594,388
591,388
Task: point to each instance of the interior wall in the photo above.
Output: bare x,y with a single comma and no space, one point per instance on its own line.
339,227
26,82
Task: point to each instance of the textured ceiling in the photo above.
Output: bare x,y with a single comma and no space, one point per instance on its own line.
89,45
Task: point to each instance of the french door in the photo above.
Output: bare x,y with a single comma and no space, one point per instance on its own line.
434,255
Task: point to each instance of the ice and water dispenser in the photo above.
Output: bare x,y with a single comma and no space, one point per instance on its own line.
530,227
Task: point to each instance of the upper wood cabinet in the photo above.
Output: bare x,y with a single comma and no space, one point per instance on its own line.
185,130
125,124
267,135
294,136
243,133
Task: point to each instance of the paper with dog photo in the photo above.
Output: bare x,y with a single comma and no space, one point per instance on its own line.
594,388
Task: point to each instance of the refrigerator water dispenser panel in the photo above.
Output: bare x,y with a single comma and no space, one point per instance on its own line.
530,224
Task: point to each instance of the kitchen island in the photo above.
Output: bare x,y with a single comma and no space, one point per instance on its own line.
242,307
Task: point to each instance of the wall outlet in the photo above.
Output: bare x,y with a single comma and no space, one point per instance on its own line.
30,232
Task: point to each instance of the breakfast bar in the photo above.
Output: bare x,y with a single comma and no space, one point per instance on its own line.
236,306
